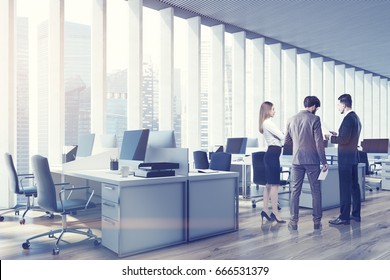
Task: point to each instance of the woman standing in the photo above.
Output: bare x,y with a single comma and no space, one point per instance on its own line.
274,139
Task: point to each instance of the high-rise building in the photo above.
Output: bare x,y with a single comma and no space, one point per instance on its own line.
77,81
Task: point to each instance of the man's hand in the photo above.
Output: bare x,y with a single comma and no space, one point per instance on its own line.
325,167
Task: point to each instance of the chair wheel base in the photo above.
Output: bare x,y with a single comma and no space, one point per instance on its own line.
97,242
1,218
26,245
56,251
22,221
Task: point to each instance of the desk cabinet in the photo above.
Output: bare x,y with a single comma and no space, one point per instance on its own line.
386,175
143,217
330,189
212,204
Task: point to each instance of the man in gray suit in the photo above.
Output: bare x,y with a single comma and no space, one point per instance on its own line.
305,134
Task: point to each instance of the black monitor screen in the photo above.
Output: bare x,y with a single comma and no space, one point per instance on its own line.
375,145
162,139
236,145
134,144
71,155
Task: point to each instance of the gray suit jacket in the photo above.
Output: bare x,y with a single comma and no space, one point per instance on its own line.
305,134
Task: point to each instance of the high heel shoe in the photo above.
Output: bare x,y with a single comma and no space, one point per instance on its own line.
265,215
273,217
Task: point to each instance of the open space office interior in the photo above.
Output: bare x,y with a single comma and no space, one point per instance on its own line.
136,120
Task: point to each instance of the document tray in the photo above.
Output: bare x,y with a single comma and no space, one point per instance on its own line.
158,166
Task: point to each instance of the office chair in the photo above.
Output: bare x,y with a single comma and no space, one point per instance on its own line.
200,160
370,170
259,175
65,205
17,186
221,161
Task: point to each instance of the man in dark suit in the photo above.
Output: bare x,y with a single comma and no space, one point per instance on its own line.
347,140
304,133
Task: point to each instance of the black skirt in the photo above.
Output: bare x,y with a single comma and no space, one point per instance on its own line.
272,165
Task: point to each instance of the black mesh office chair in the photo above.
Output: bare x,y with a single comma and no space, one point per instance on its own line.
259,175
370,171
221,161
64,206
201,160
18,186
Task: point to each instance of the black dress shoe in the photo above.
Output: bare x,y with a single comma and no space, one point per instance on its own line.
339,221
356,219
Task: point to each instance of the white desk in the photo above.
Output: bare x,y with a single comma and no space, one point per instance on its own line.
143,214
140,214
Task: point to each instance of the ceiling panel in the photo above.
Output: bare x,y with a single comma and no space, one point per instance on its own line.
355,32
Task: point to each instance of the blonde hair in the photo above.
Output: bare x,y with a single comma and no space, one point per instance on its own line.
264,113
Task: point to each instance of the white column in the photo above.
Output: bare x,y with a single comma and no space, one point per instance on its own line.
99,67
358,101
384,109
367,114
192,130
56,97
388,108
273,79
350,81
217,86
316,81
339,88
375,108
238,84
328,103
303,77
166,70
134,72
7,93
257,85
291,105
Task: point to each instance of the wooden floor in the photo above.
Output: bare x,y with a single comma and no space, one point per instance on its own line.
369,239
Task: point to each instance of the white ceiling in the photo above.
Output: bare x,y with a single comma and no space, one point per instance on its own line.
354,32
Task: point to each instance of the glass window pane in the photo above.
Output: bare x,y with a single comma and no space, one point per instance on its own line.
77,69
117,62
31,79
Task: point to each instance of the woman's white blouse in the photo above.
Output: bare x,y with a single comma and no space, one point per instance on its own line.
272,134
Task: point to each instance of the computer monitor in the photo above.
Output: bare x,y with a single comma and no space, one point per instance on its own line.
104,142
379,147
252,142
85,144
236,145
162,139
108,141
70,153
134,145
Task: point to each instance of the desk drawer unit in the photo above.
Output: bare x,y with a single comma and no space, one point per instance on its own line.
385,175
110,233
110,216
110,192
110,209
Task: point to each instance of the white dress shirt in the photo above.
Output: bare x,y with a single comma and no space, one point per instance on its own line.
272,134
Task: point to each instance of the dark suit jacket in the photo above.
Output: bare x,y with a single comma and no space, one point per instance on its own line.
305,134
348,139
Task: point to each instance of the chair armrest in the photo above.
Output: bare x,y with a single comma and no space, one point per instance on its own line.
27,175
61,184
23,178
71,191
